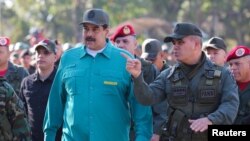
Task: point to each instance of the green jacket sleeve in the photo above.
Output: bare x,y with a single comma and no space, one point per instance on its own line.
53,118
142,118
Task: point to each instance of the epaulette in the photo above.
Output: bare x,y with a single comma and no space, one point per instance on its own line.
173,68
213,73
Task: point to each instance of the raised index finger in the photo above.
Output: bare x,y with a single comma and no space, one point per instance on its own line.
126,56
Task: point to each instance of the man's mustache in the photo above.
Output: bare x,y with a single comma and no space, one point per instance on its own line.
89,39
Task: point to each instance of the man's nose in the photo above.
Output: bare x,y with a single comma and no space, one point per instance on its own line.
89,33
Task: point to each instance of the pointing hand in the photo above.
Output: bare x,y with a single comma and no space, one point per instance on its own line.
133,66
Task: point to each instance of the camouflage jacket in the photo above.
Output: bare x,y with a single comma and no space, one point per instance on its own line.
15,75
13,122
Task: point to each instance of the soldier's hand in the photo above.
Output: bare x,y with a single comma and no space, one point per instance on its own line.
200,125
133,66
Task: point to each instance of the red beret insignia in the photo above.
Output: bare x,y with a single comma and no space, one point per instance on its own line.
123,30
126,30
238,52
4,41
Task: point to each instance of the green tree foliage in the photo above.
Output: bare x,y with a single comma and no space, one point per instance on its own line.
60,19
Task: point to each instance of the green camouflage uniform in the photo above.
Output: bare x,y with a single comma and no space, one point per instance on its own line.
13,122
15,75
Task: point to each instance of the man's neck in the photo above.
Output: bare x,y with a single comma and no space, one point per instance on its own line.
159,64
44,74
195,59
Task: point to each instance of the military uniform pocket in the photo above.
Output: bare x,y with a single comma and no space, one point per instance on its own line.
207,95
111,81
179,96
75,81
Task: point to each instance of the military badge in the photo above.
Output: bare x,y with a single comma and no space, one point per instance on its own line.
3,41
126,30
240,52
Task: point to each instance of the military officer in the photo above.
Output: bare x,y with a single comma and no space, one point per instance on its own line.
199,93
12,73
216,50
125,38
239,64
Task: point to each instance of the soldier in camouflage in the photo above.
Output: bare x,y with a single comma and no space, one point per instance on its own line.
12,73
13,122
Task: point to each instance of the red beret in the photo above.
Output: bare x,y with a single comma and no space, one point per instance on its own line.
238,52
123,30
4,41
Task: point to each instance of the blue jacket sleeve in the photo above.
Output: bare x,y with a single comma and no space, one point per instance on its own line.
53,118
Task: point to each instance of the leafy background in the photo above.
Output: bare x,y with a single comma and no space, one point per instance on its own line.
59,19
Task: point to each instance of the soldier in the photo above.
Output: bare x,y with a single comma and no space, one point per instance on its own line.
13,122
216,50
239,64
199,93
152,51
25,59
168,54
125,38
12,73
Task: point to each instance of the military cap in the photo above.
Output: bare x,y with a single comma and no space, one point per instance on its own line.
14,55
150,49
47,44
167,48
216,43
238,52
25,53
182,30
4,41
20,46
96,17
123,30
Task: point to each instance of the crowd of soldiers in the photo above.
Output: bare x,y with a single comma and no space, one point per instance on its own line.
178,87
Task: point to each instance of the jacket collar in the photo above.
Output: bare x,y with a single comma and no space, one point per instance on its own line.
106,52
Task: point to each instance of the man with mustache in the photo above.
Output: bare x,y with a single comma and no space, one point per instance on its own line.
239,63
199,93
92,95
